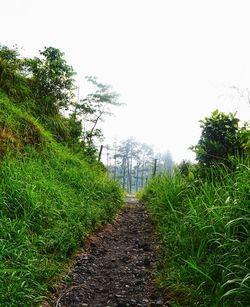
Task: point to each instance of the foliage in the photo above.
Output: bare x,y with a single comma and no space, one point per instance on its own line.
52,81
221,138
204,226
50,200
75,128
12,80
42,87
184,167
94,108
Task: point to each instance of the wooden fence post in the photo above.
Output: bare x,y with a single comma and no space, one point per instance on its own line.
155,165
100,153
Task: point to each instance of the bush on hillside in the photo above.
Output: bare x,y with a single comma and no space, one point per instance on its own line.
221,138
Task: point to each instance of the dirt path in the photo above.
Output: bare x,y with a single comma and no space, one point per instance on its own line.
115,268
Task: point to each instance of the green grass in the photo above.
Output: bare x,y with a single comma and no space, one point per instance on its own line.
50,200
204,226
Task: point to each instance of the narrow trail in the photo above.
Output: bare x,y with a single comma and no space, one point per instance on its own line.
115,268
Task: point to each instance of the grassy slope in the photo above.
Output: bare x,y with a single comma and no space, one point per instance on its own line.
205,230
49,201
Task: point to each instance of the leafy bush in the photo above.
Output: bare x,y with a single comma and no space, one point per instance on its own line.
221,138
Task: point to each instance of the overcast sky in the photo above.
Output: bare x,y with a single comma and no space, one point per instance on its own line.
173,62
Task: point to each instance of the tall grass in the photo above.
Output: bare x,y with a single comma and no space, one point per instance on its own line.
204,225
50,200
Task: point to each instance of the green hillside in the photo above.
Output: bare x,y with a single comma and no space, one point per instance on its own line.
50,200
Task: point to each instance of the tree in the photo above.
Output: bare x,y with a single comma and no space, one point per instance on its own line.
75,129
220,139
9,64
126,155
12,80
184,167
94,108
51,80
131,163
165,162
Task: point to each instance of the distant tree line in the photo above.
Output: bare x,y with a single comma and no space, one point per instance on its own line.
132,163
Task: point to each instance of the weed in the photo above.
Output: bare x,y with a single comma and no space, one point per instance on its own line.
204,225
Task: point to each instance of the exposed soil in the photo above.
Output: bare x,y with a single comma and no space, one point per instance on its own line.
115,269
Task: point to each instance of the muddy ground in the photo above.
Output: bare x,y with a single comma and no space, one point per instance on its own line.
115,267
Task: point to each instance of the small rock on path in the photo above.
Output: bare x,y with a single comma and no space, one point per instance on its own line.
115,268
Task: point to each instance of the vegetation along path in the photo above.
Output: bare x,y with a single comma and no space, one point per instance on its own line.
115,268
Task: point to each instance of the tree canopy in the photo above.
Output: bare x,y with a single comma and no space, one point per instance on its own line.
94,107
52,80
221,137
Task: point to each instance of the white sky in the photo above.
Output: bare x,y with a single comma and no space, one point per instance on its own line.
172,61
